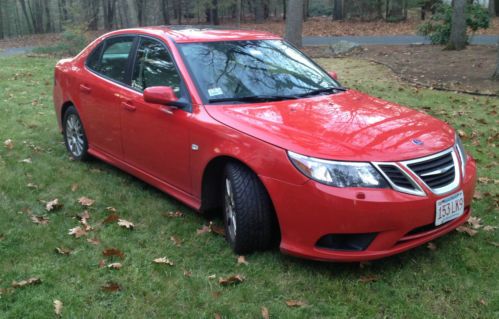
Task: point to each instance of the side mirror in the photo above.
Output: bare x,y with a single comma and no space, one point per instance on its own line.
334,75
160,95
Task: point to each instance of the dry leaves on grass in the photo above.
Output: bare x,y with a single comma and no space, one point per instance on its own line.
464,229
115,266
9,144
187,273
474,222
85,201
176,241
58,307
32,186
53,205
431,246
489,228
93,241
211,228
111,286
26,282
77,232
111,209
231,280
40,220
125,224
241,260
111,219
173,214
369,278
27,161
113,252
265,313
164,261
74,187
295,303
202,230
63,251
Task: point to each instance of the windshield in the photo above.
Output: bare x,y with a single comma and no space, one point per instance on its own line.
247,70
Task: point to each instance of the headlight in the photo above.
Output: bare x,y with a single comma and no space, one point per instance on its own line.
339,174
462,154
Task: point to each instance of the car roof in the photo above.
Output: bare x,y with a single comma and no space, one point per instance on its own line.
186,34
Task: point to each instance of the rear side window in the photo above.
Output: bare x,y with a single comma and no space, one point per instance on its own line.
113,61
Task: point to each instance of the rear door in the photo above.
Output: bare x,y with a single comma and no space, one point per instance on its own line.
156,137
102,90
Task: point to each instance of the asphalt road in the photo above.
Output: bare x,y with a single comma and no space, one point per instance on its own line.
323,41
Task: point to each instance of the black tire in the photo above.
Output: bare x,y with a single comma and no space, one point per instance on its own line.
75,138
253,214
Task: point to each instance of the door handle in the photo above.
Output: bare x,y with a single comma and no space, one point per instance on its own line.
128,106
85,89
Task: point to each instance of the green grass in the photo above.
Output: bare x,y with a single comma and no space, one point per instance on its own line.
447,283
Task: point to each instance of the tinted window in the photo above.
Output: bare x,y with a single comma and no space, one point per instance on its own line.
154,67
238,69
94,57
114,59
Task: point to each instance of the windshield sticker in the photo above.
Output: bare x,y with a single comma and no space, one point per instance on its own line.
215,91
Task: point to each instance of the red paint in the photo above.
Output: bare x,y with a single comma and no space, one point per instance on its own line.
154,143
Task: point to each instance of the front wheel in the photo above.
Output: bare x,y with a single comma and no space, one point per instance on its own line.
74,135
248,213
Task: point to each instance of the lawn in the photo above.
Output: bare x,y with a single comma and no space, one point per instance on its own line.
458,279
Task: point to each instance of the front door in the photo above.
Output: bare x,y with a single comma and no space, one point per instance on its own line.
156,137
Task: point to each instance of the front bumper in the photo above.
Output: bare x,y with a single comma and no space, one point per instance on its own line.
400,221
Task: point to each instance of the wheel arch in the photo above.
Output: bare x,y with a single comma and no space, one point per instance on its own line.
65,106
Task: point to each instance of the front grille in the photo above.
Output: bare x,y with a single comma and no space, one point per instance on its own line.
436,172
396,176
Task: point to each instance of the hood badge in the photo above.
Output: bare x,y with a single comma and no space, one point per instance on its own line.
417,142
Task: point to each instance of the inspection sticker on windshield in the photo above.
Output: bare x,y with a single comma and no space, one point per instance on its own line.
215,91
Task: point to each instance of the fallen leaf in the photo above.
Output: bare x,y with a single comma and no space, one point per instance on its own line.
462,134
27,161
77,232
83,216
40,220
27,282
467,230
174,214
63,250
202,230
231,280
212,276
32,186
217,229
218,316
265,313
477,195
113,252
295,303
176,241
241,260
163,260
432,246
111,219
53,205
126,224
489,228
482,302
474,222
93,241
74,187
57,307
9,144
102,263
111,287
111,209
85,201
187,273
369,278
116,266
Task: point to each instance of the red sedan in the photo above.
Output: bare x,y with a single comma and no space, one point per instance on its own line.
242,122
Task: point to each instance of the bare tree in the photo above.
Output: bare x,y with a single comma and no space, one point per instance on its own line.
165,10
338,10
458,37
109,9
496,73
294,22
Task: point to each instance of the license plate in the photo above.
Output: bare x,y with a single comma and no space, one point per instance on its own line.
449,208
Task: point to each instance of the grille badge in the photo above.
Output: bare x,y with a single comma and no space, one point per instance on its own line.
417,142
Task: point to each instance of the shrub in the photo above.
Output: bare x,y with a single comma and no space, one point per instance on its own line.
72,41
439,27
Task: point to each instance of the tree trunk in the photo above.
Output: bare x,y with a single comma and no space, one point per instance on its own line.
26,16
294,22
259,11
2,33
496,73
338,10
305,9
238,12
492,8
214,13
284,10
458,36
165,11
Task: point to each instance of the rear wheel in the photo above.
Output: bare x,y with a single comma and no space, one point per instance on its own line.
74,135
248,212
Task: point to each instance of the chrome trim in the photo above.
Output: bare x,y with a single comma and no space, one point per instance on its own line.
462,158
441,190
418,191
439,171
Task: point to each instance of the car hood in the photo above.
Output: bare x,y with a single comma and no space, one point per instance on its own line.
344,126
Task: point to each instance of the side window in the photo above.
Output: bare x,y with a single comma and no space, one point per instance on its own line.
114,59
94,57
154,67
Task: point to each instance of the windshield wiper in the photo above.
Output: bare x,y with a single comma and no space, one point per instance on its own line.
325,90
254,98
